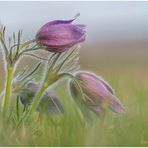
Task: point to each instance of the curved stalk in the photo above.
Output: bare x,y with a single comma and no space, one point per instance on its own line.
64,74
48,80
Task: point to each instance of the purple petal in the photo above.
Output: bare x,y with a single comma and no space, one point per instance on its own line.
81,26
57,22
107,85
57,49
93,85
115,105
62,36
97,109
98,78
98,94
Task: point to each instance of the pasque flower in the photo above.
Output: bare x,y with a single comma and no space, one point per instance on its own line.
94,93
49,103
60,35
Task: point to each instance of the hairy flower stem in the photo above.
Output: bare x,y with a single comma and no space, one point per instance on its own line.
51,77
7,94
67,74
36,101
37,98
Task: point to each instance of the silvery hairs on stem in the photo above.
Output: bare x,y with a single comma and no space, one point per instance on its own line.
61,39
14,48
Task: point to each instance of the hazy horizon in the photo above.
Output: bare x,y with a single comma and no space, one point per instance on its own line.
107,22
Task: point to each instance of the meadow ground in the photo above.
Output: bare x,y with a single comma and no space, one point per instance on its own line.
130,82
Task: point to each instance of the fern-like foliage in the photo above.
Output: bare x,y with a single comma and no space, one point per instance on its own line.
68,61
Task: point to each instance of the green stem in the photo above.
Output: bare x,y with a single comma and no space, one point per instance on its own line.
37,99
64,74
7,94
17,108
44,86
34,104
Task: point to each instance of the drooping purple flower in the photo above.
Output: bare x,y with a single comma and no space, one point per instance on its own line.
94,93
60,35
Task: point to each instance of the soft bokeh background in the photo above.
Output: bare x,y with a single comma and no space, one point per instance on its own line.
116,48
116,31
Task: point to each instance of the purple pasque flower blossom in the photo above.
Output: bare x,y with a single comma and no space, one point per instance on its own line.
95,93
60,35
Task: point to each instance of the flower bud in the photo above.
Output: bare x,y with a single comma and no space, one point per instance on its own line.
49,103
28,93
95,93
60,35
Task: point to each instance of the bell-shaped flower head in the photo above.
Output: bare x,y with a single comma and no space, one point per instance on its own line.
60,35
94,93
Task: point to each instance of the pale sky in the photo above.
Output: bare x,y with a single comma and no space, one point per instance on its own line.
106,21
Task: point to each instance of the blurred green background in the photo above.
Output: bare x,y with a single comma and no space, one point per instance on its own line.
116,49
